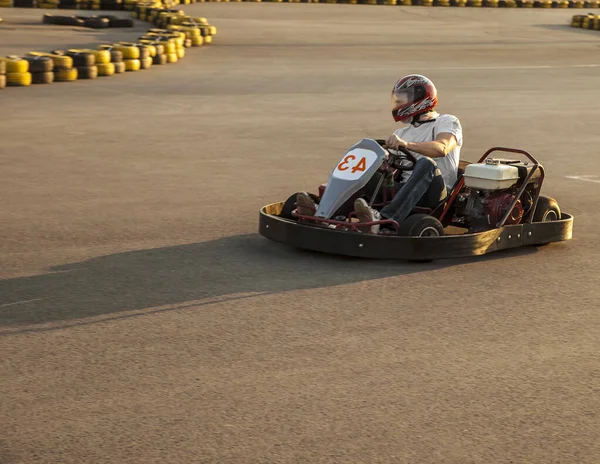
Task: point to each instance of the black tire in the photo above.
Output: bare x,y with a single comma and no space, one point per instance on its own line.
42,78
119,67
39,64
24,4
111,5
290,205
547,209
116,56
159,59
144,52
87,72
82,59
63,20
48,19
421,225
97,23
146,63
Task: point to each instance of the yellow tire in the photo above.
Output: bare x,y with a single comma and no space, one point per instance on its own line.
102,56
180,53
175,38
18,79
16,65
208,39
213,30
151,49
129,53
192,32
2,81
132,64
170,47
178,41
106,69
172,58
65,75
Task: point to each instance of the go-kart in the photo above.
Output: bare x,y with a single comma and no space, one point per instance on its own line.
495,204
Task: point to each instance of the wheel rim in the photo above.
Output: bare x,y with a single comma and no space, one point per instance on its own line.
429,232
550,216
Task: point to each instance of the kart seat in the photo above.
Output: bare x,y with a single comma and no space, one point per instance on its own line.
427,210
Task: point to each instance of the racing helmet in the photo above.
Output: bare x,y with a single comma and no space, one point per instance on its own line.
413,95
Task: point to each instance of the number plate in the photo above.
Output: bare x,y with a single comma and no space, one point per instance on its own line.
354,164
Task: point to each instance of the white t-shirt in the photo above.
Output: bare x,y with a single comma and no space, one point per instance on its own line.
428,131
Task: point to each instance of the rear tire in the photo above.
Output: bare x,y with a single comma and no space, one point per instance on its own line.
421,225
547,210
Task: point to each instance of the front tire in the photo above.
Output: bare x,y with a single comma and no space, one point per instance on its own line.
421,225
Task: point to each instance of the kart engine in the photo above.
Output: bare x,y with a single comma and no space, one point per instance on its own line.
490,189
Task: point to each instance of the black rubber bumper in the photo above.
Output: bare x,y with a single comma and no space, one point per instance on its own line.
356,244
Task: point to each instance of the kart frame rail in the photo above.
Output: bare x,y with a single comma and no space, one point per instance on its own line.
366,245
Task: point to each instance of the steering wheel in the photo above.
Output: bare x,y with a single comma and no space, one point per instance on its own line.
409,156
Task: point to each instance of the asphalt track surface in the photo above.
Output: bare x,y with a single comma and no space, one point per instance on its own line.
143,319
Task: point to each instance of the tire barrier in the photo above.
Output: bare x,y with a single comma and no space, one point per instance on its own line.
589,21
164,44
2,73
445,3
93,22
131,5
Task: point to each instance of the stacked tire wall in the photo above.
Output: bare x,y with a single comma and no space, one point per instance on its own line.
589,21
164,44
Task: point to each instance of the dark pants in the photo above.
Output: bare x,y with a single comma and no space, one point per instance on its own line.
423,188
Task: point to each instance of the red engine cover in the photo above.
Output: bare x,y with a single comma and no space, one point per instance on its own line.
495,207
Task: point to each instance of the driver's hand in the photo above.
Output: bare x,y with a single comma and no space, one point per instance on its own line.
395,142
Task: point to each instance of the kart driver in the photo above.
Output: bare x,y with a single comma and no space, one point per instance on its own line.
435,141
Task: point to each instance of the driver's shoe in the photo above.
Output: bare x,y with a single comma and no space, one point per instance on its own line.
367,214
305,206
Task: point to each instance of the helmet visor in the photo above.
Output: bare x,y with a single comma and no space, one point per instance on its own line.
402,97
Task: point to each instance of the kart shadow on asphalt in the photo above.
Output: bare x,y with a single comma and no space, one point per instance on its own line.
113,285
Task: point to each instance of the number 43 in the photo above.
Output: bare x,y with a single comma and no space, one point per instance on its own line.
360,166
